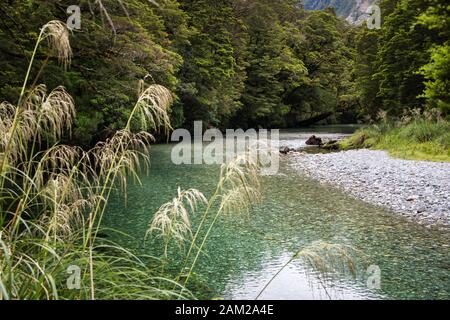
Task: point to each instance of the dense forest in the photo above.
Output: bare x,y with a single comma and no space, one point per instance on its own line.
80,107
234,63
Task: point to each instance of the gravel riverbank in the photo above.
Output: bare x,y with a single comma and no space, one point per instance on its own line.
417,189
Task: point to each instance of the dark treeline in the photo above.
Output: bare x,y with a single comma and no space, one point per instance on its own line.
406,64
234,63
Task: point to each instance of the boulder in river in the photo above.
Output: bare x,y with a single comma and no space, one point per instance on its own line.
286,150
314,141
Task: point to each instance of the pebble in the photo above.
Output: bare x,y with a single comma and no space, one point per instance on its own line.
416,189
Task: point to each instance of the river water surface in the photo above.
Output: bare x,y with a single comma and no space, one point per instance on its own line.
244,253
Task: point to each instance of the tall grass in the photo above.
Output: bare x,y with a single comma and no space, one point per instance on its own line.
236,191
417,135
53,198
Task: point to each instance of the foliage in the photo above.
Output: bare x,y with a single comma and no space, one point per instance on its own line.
437,70
415,135
52,199
107,62
228,63
405,64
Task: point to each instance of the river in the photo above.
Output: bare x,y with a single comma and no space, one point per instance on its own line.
245,252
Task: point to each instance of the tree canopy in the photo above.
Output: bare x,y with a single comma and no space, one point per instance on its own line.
234,63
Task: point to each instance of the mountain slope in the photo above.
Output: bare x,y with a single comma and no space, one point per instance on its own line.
352,10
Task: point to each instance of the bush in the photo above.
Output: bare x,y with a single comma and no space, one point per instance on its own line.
417,135
425,130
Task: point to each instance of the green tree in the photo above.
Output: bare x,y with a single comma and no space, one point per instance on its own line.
113,50
402,52
365,67
274,69
211,79
437,70
327,52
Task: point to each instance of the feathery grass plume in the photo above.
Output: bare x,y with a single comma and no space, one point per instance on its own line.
172,220
7,111
39,115
66,202
122,155
239,184
326,260
123,151
242,171
52,201
237,190
13,142
57,35
329,258
239,200
58,112
151,111
63,158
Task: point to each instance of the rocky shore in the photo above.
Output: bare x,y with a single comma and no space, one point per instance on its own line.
417,189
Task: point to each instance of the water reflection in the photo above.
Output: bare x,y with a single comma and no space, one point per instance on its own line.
293,283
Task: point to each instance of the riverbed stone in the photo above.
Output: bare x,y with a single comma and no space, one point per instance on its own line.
419,190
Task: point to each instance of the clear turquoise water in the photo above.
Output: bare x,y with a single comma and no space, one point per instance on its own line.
244,253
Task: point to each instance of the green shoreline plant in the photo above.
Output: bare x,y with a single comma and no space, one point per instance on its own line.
53,198
417,135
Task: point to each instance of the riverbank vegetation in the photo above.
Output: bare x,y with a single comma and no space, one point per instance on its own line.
415,136
53,199
228,63
234,64
402,72
53,196
138,69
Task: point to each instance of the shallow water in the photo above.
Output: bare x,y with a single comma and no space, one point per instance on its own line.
244,253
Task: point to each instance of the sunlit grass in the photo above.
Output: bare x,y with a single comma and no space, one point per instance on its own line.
418,137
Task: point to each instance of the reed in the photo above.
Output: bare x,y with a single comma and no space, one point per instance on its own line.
172,220
53,199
